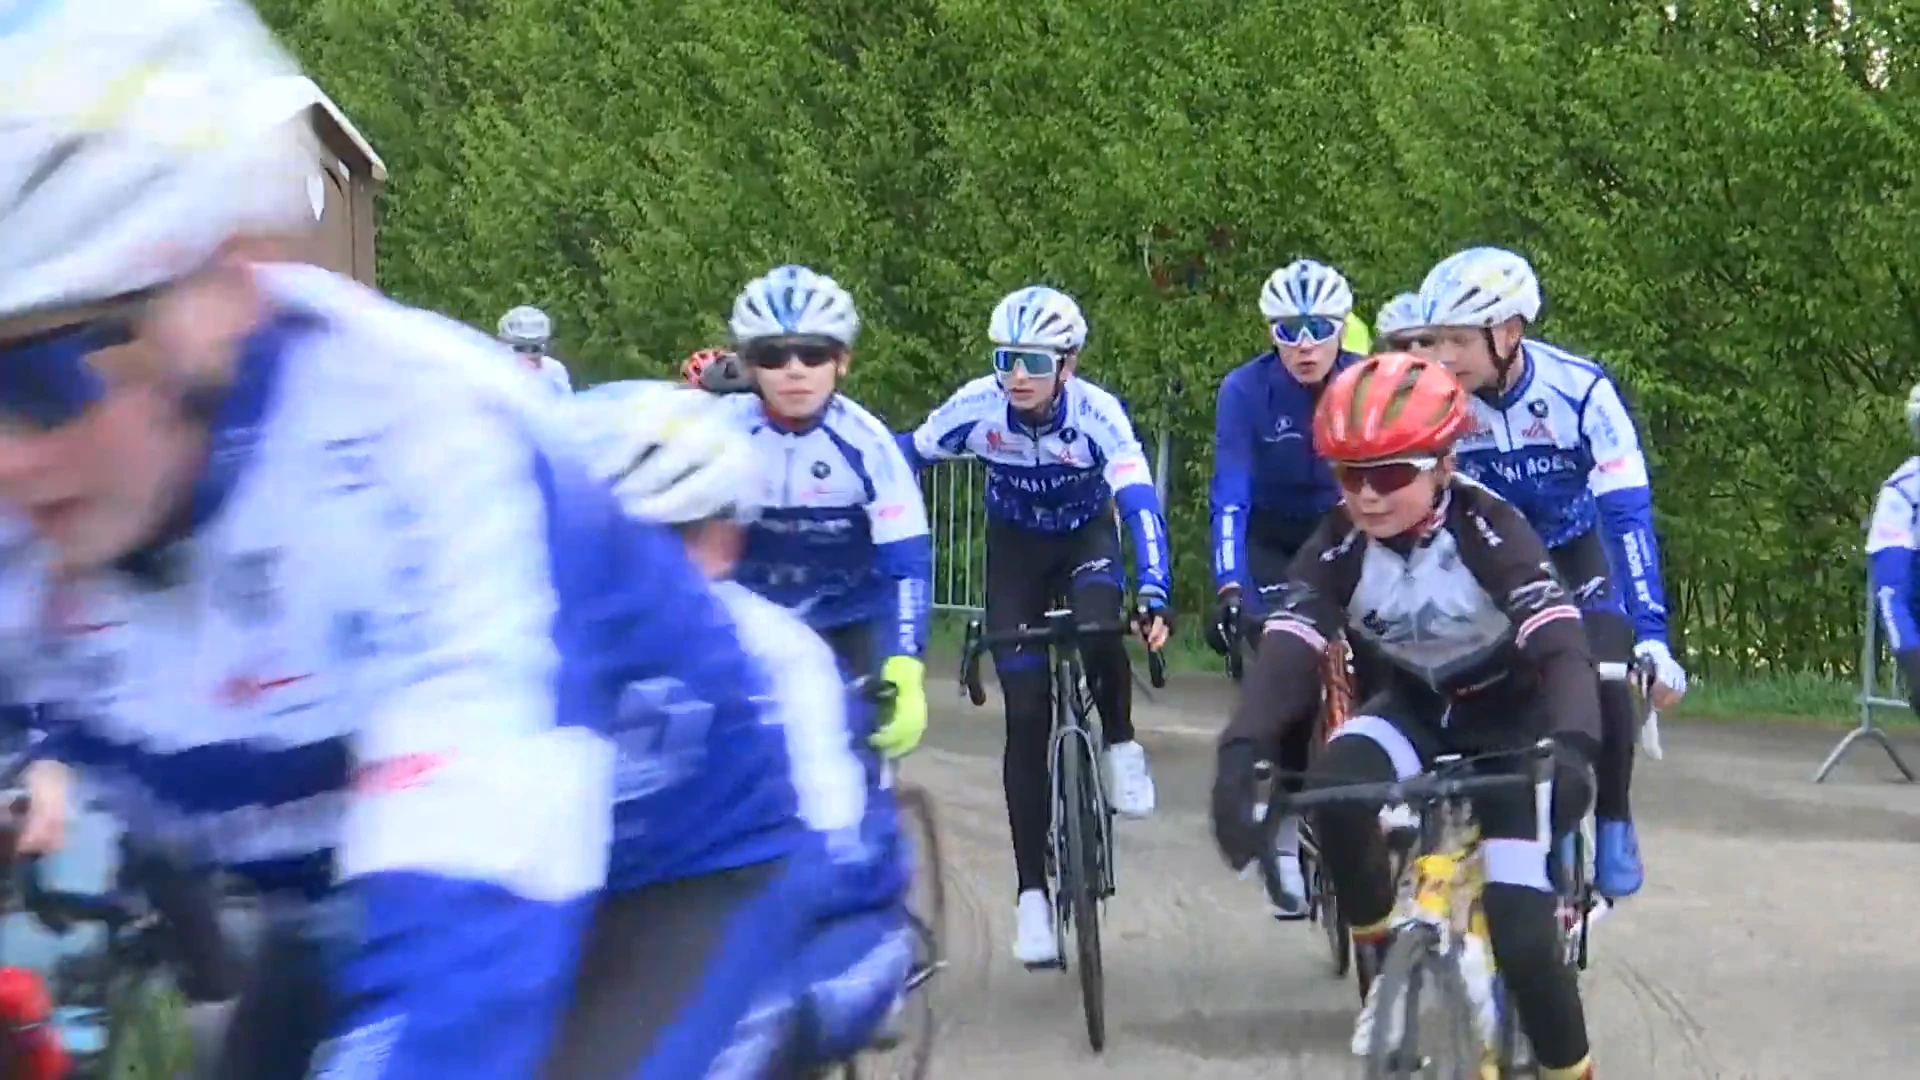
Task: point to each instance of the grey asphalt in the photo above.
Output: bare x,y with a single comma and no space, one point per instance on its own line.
1774,938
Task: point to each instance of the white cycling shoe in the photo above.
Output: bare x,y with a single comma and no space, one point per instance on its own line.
1293,890
1129,783
1034,943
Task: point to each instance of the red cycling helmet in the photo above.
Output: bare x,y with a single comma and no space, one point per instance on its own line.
1387,406
697,363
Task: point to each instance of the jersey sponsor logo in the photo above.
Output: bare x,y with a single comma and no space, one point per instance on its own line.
244,586
242,690
1518,469
995,440
660,731
1613,465
396,773
1538,407
1284,429
352,465
1486,530
1537,430
1128,470
1067,435
821,470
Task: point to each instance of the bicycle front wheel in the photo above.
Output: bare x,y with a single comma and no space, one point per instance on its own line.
1422,1014
1081,876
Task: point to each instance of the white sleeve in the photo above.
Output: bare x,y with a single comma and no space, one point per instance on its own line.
943,437
897,511
1893,514
1618,464
465,768
1104,421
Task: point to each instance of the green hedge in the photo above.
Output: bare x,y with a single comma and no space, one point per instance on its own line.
1719,202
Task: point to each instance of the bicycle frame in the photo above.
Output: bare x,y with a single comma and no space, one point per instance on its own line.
1070,690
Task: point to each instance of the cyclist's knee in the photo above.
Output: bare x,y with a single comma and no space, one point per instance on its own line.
1348,760
1523,925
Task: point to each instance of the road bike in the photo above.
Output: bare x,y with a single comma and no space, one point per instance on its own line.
1080,838
1440,951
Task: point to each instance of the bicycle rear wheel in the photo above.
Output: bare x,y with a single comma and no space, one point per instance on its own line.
1326,908
1082,878
1416,977
907,1053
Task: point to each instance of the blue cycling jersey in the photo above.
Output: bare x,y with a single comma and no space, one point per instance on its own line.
406,661
842,533
1056,477
1263,459
1562,448
1892,550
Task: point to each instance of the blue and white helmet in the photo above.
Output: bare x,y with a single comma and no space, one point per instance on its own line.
1399,314
526,327
1305,288
1038,317
1479,287
794,302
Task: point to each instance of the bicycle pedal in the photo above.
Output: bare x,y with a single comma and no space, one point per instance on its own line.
1048,965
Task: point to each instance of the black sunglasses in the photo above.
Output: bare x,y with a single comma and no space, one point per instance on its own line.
773,355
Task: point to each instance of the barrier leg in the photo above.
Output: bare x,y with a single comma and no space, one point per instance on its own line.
1869,697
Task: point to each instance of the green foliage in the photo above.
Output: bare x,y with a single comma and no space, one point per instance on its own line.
1718,196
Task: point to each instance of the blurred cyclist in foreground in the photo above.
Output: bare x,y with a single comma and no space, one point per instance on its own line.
816,942
312,593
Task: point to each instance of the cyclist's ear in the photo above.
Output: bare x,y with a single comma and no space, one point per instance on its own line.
842,360
1068,361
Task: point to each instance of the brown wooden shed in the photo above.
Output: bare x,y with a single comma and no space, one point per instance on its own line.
342,191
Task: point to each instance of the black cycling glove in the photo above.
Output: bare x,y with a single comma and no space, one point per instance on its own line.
1226,613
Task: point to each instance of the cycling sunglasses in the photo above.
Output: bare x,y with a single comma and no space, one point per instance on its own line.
1305,329
48,379
529,350
773,355
1384,477
1404,342
1037,363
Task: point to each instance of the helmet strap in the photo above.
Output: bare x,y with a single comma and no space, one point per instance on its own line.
1502,365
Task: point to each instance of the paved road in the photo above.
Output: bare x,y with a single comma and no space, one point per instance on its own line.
1775,937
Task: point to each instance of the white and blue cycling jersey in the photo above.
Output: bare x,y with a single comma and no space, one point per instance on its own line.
404,662
1561,447
554,374
1058,476
841,536
1892,550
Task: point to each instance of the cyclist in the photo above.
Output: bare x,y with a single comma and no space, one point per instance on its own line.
313,591
1892,549
842,533
528,331
1485,652
1269,488
842,953
1552,437
717,371
1398,317
1059,452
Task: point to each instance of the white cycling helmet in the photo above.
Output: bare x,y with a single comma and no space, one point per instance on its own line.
671,453
137,142
1038,317
1479,287
526,327
1306,288
1399,314
794,302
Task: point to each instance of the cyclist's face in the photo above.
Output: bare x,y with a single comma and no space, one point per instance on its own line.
1309,363
799,388
1385,515
95,451
1463,350
529,355
1032,393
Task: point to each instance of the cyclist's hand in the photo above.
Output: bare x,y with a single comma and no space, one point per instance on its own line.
1235,791
1226,610
1157,626
1573,783
908,719
1669,678
44,830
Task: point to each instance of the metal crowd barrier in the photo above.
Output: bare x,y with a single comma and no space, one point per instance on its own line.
1870,698
955,493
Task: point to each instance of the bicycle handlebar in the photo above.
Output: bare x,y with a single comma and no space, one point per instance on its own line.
1441,783
1058,628
59,910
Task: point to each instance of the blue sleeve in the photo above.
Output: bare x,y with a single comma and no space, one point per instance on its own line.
1891,551
904,440
902,544
476,837
1231,489
1130,479
1627,517
1139,507
1890,574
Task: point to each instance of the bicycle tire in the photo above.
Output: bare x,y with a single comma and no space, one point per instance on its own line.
1333,921
1411,963
911,1056
1083,884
